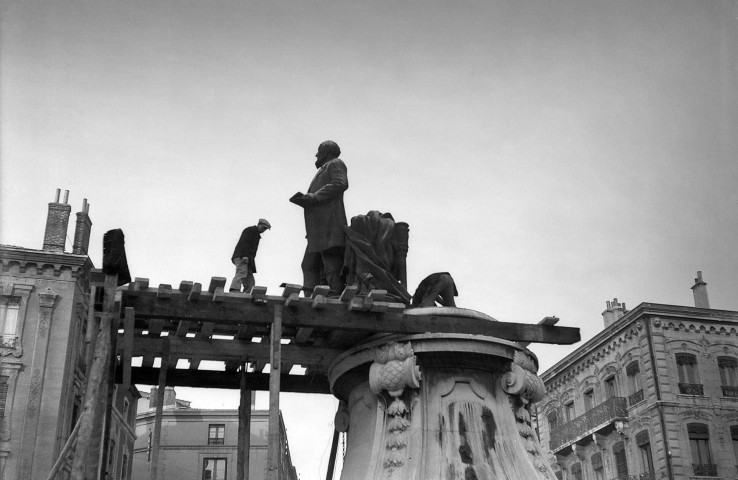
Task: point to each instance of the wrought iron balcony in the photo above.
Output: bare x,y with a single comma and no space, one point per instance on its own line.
705,470
691,388
635,398
729,391
592,421
638,476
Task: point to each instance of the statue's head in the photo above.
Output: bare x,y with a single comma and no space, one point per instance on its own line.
328,150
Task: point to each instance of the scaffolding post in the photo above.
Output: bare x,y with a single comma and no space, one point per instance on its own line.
244,428
275,361
87,452
159,409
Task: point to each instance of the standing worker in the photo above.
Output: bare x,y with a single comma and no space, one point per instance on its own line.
325,218
244,254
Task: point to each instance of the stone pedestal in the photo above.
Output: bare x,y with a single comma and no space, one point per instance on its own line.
438,406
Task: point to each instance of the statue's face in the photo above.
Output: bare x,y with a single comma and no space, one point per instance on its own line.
322,153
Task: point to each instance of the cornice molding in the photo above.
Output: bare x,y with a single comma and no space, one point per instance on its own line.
18,260
662,315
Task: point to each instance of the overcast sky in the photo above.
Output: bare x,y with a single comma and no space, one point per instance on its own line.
551,155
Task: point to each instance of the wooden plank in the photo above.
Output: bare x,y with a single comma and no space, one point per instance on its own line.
206,331
155,327
216,282
274,446
148,360
302,335
328,318
183,327
164,291
289,289
194,294
231,350
349,292
316,383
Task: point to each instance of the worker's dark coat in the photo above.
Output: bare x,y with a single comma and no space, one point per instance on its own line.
247,246
325,215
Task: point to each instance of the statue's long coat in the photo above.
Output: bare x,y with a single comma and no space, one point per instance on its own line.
325,215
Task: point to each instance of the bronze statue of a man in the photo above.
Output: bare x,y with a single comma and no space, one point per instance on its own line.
325,218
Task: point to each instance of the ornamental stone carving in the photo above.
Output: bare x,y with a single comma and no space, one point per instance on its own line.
394,369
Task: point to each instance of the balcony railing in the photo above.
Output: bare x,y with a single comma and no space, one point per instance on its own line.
600,416
705,470
638,476
635,398
729,391
690,388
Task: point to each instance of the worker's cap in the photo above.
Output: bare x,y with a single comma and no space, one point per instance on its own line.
263,221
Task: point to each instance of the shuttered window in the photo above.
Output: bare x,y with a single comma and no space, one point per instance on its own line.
3,394
621,462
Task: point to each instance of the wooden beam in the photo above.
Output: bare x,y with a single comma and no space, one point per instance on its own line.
335,317
127,347
232,350
274,447
314,383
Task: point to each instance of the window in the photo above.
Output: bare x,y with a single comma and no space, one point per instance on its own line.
589,399
576,471
597,468
553,420
214,469
644,450
8,323
687,367
734,438
621,461
728,367
699,444
689,382
3,394
635,387
610,389
216,434
569,411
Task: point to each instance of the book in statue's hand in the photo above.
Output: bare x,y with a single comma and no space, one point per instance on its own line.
297,198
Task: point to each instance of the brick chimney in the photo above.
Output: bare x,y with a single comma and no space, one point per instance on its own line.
82,231
614,311
699,290
57,222
170,397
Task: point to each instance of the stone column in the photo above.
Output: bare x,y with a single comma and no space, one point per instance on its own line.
438,406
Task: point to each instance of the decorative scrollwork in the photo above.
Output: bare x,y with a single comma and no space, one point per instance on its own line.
394,369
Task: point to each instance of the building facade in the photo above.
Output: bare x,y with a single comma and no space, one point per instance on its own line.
652,396
44,305
201,444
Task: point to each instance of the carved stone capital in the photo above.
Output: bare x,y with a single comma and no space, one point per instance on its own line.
523,383
46,298
394,369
